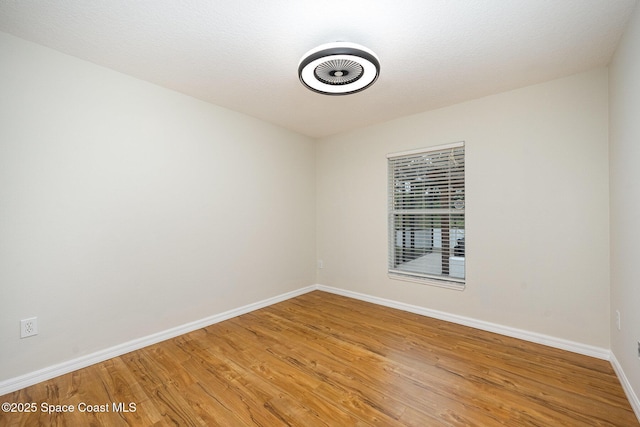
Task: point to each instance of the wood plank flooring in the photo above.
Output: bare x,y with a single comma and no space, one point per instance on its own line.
326,360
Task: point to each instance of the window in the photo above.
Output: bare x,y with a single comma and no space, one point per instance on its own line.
426,215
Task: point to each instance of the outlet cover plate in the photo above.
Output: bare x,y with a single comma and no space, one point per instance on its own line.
28,327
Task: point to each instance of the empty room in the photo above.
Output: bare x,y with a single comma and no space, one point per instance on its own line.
279,213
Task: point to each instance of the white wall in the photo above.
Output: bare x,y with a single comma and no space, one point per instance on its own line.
127,209
537,208
624,166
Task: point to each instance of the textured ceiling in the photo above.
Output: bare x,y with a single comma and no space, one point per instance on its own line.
243,54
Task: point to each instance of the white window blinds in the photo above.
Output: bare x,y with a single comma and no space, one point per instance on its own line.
426,214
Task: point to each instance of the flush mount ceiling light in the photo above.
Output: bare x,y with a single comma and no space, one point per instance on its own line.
338,68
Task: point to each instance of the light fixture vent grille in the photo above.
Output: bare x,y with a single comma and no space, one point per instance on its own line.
338,71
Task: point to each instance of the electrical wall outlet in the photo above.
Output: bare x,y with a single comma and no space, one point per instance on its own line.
28,327
618,325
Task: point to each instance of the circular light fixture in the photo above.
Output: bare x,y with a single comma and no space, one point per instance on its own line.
339,68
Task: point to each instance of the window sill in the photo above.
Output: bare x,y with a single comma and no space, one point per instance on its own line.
457,286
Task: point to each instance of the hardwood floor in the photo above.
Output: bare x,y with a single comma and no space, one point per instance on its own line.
326,360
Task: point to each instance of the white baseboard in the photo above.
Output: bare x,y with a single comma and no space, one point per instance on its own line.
31,378
626,385
575,347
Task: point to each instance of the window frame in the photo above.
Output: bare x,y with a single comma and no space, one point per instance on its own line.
426,215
